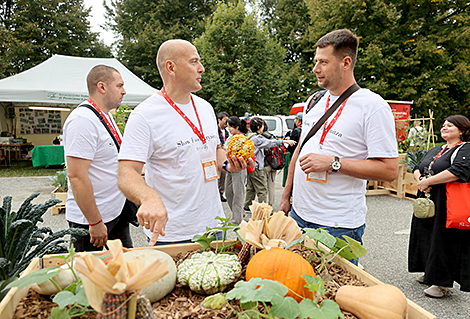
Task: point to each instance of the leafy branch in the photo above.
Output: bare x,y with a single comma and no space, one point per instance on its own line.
348,249
208,237
270,294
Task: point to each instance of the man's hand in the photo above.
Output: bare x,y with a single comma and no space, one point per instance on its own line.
238,164
98,234
315,163
285,205
152,215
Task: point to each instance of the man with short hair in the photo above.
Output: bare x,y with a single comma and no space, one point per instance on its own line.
416,135
94,200
174,132
222,118
327,177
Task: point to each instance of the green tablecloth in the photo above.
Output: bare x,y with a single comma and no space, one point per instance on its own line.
47,155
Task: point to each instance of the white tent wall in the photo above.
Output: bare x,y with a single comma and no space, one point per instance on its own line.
59,81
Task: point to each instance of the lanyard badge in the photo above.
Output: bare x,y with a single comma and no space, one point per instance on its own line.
209,164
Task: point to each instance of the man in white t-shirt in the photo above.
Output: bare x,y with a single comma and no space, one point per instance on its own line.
94,200
175,134
327,178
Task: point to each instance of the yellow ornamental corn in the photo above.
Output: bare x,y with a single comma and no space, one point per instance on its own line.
241,146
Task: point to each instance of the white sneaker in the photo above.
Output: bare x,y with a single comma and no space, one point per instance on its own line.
435,291
420,279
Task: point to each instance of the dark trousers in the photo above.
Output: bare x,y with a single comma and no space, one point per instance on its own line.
118,228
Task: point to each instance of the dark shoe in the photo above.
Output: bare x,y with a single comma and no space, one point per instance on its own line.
222,198
435,291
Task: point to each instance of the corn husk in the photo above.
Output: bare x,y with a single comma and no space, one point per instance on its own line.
264,231
118,277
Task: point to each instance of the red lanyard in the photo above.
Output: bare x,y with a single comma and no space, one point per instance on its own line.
110,125
442,152
327,126
198,132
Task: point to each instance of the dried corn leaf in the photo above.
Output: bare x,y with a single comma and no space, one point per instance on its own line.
93,293
153,272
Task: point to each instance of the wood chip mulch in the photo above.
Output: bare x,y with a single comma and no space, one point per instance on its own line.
182,303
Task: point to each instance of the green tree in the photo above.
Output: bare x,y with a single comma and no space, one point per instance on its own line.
413,50
289,21
31,31
243,64
143,25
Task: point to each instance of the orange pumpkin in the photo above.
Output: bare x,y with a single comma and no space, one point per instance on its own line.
283,266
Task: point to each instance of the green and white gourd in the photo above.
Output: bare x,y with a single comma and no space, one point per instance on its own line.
209,273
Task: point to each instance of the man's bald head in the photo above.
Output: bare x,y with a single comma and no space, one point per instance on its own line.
170,50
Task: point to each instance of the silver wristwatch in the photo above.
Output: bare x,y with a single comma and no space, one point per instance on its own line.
335,164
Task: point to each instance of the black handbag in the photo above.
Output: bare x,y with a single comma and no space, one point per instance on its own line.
129,211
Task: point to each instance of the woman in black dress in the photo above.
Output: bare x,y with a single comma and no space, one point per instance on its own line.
443,254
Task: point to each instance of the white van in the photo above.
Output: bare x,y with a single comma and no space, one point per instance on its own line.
279,125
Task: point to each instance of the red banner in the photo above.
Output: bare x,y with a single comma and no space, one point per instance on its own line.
401,113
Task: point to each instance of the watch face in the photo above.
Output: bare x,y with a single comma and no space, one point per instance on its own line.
335,165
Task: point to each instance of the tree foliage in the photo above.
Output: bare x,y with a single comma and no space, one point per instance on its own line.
31,31
143,25
244,66
414,50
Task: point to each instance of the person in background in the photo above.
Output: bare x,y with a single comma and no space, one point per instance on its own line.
174,133
270,172
257,183
327,177
222,118
94,201
294,135
443,254
417,133
235,182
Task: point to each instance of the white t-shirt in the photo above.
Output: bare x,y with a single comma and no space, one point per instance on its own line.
85,137
365,129
159,137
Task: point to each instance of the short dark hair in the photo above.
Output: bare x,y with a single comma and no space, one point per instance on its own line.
221,115
234,121
462,123
344,42
256,123
100,73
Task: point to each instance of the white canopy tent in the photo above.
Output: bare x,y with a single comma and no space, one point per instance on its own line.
61,81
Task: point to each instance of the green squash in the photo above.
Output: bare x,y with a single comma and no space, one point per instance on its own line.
208,273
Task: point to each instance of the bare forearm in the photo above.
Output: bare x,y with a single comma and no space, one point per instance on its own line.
133,186
441,178
372,169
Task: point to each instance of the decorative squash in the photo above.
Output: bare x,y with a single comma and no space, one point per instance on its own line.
164,285
375,302
240,145
283,266
63,279
208,272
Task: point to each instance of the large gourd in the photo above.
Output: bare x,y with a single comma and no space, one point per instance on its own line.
164,285
283,266
208,273
241,146
63,279
375,302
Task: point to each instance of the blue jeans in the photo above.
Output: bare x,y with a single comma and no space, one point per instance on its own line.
354,233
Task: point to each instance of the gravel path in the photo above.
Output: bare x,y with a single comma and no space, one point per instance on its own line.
386,240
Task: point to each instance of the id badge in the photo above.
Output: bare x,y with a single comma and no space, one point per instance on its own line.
318,177
209,164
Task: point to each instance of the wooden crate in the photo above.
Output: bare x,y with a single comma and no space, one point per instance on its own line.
404,186
11,300
60,207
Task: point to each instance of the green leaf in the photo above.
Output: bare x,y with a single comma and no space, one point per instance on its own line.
295,242
257,289
315,284
356,247
204,240
249,305
64,299
321,235
328,310
80,296
58,313
346,252
37,277
284,308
